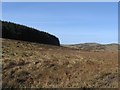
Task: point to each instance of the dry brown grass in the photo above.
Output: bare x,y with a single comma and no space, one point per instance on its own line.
43,66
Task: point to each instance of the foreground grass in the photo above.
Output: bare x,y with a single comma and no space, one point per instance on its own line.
43,66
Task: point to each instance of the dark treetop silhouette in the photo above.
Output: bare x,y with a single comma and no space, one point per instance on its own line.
21,32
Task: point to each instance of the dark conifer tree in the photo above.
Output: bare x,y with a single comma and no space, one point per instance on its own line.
21,32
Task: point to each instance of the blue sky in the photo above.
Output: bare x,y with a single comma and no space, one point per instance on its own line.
72,23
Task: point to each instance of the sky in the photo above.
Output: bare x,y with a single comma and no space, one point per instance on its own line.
60,0
72,23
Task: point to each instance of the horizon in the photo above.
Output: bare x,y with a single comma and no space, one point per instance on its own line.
60,18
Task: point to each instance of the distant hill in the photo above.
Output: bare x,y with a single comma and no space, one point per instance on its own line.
20,32
94,47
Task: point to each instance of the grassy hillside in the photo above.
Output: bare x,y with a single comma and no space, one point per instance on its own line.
21,32
35,65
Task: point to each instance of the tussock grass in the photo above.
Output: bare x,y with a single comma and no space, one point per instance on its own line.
27,65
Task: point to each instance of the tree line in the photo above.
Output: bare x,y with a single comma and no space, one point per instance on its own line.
20,32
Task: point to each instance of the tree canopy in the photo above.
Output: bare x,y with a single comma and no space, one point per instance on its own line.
20,32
